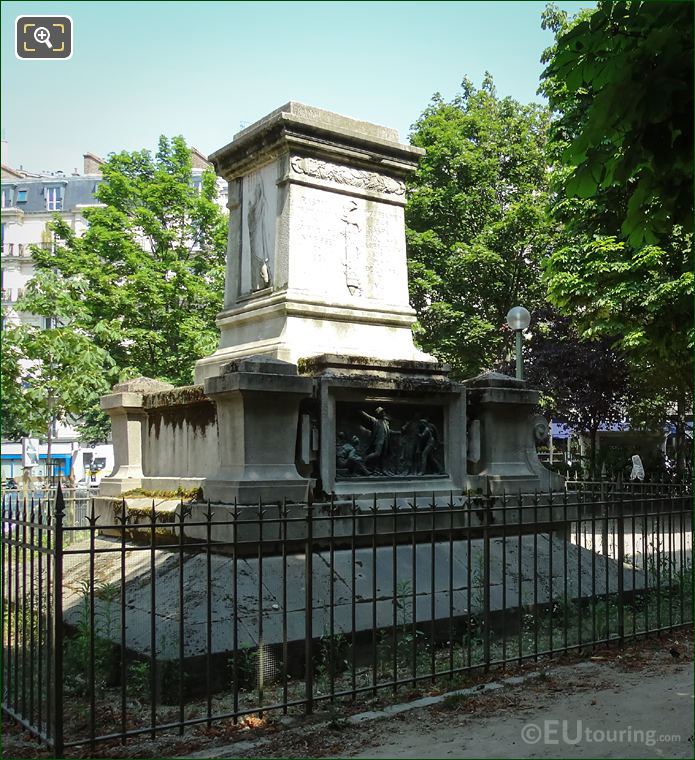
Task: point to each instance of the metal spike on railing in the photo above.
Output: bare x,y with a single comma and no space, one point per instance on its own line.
60,502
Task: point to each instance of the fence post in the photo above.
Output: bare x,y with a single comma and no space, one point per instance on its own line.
621,569
604,513
487,514
58,515
308,610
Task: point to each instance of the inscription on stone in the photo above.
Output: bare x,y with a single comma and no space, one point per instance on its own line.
381,439
353,240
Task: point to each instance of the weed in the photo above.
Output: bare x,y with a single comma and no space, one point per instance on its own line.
336,720
454,701
87,642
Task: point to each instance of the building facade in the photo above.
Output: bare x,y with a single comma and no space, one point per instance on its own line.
29,203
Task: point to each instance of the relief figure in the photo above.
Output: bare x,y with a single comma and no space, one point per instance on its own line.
428,439
348,456
258,239
380,441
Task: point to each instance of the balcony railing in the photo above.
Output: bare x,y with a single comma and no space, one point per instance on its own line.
12,295
23,250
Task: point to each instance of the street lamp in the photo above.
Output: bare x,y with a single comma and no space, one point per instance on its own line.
518,319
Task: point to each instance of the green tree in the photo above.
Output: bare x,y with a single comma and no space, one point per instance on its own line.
145,282
15,408
619,83
477,228
619,80
49,374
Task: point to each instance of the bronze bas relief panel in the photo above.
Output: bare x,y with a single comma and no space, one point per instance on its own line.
384,439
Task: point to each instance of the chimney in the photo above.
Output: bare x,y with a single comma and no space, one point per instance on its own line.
198,160
5,152
92,163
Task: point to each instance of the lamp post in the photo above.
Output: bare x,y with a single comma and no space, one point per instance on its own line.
518,319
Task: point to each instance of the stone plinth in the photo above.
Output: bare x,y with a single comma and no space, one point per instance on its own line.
504,429
438,577
257,411
125,408
316,260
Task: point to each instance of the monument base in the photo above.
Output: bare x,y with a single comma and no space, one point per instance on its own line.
279,327
521,570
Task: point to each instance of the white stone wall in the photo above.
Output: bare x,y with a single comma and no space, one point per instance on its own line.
180,450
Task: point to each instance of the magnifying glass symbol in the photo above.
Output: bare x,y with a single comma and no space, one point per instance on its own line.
43,36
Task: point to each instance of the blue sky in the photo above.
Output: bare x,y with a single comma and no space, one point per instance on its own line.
204,69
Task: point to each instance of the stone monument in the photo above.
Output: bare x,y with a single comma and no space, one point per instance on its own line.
317,387
318,391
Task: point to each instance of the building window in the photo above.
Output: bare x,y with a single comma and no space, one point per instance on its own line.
54,200
21,196
6,197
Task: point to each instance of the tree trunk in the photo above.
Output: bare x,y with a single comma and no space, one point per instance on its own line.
592,454
680,438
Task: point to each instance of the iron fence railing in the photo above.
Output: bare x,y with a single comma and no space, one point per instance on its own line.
158,621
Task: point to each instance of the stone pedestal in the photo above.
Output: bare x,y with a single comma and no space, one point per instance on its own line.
316,260
504,429
125,408
257,411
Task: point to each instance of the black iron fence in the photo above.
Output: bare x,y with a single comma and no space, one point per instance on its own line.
159,621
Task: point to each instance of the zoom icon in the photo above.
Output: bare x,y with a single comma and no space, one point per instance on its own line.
43,38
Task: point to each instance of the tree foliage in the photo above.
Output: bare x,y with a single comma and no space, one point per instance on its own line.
476,222
53,373
142,287
641,300
619,82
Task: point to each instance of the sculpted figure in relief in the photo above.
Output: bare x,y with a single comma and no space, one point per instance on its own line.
346,175
427,445
348,456
255,218
380,442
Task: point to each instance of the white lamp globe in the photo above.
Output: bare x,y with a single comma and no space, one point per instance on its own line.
518,318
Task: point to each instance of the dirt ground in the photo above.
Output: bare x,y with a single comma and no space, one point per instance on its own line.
574,709
548,722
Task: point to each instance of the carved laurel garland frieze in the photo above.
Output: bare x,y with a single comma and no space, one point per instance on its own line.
345,175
